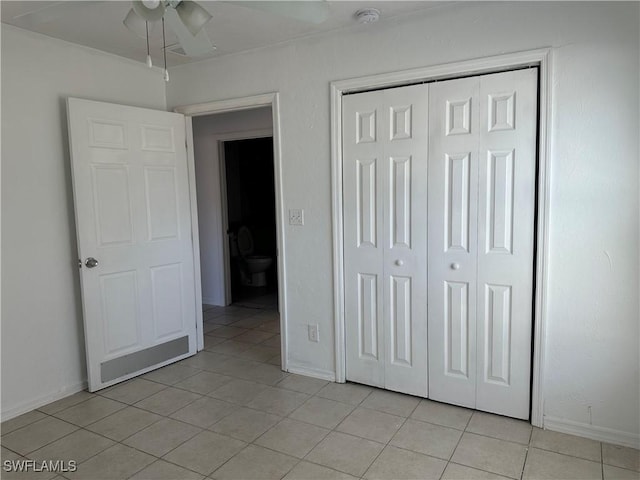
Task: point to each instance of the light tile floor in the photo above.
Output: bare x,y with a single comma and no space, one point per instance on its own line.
230,413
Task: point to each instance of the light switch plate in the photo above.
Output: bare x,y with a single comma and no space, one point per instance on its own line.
296,216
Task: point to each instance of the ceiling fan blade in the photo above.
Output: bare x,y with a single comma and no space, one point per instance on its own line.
310,11
49,13
193,46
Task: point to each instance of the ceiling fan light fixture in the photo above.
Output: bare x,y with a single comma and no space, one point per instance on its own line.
193,16
149,10
136,24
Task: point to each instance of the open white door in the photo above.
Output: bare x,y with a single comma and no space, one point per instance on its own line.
133,220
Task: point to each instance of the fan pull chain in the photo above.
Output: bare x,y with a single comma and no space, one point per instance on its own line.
164,52
149,62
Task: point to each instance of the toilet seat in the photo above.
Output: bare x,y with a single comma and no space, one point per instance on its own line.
245,241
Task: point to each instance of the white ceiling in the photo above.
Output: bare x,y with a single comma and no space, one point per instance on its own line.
234,27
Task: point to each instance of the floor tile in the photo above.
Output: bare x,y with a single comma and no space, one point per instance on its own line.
345,453
78,446
274,341
278,401
132,391
205,452
391,402
427,438
208,328
277,360
210,341
566,444
496,426
229,332
171,374
66,402
162,437
240,392
371,424
116,462
345,392
223,319
490,454
623,457
21,421
168,401
123,423
204,360
246,424
300,383
90,411
395,463
230,347
322,412
542,464
235,366
442,414
255,463
204,412
253,336
292,437
203,382
161,470
36,435
263,373
272,326
616,473
260,353
460,472
250,322
311,471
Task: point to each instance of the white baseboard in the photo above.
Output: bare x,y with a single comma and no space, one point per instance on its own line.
42,401
210,301
594,432
312,372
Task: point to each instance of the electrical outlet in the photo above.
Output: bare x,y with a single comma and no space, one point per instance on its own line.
296,216
313,333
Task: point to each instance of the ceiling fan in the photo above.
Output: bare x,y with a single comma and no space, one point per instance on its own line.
186,18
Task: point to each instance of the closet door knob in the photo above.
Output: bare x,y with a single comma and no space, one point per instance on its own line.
455,266
399,263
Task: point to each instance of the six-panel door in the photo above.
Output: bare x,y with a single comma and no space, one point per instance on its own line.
133,217
385,167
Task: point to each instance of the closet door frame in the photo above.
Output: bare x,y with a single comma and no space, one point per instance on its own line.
533,58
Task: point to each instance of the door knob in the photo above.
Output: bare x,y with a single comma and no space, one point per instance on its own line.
399,263
455,266
91,262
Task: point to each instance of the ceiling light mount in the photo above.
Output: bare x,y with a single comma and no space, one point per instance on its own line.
367,15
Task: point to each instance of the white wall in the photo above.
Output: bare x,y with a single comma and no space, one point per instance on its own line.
591,371
207,131
42,336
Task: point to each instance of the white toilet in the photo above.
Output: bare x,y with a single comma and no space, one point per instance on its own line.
256,264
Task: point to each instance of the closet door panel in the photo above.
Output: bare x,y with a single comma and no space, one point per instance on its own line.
452,213
506,212
363,184
405,238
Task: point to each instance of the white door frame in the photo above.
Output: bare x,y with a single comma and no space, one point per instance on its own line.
224,220
234,105
540,58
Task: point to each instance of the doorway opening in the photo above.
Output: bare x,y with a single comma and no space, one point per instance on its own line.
239,223
249,186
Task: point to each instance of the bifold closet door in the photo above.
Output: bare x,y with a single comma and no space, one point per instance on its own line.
482,175
385,237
